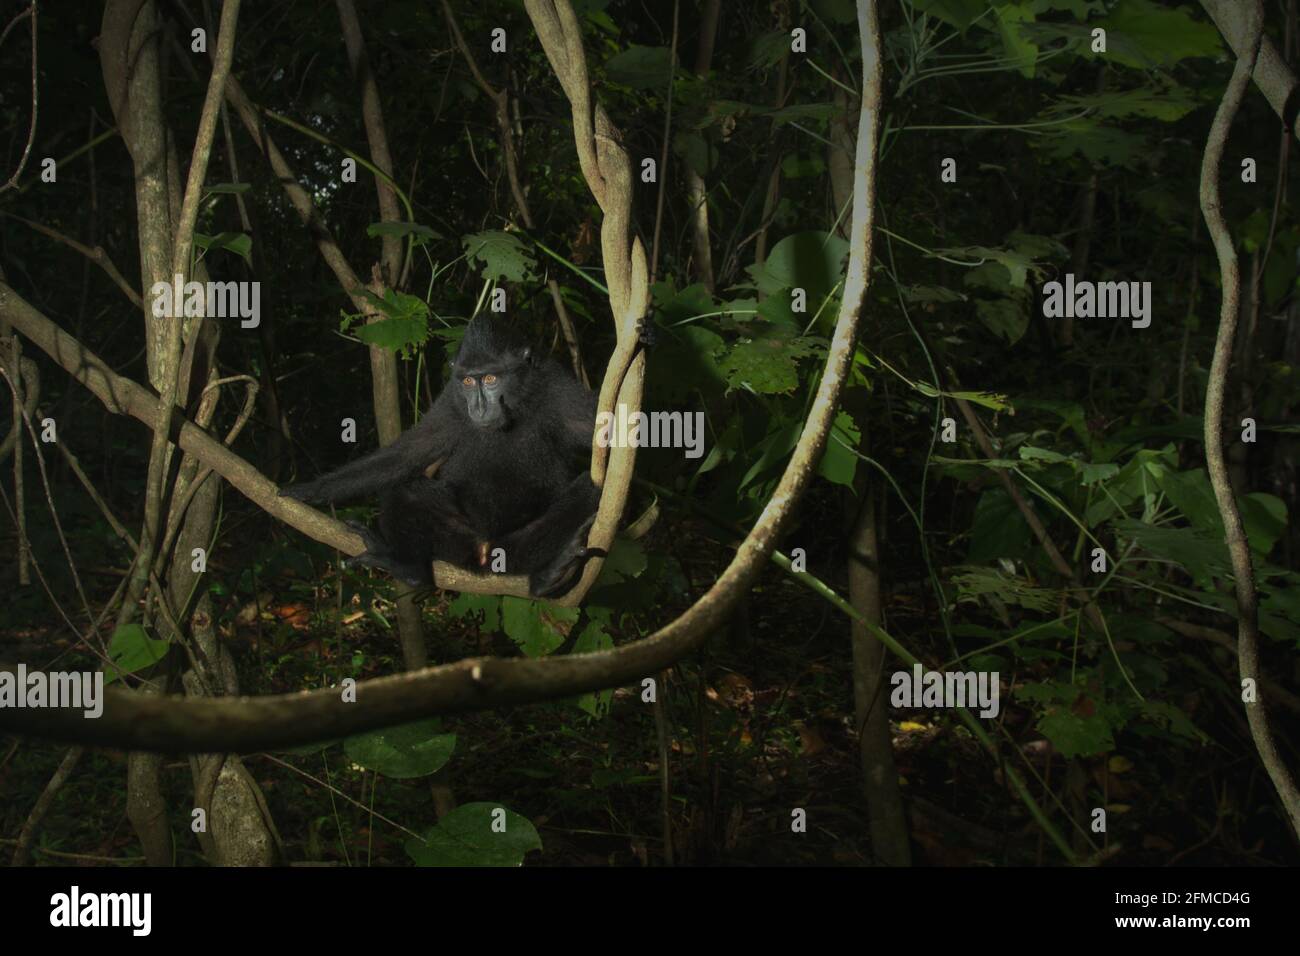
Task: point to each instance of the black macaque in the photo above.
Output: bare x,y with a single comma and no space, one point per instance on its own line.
499,461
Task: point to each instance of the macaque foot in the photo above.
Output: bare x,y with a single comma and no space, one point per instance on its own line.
377,556
409,574
555,578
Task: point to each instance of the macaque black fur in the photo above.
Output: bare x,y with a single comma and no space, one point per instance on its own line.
501,460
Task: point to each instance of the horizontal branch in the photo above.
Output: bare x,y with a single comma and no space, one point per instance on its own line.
122,396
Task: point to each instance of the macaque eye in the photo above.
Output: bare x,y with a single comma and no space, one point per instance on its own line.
468,381
489,379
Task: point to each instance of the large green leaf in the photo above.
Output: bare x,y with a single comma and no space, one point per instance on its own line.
1192,495
1144,34
503,255
812,261
1075,735
1095,141
769,365
998,529
1203,556
1264,518
537,627
1006,318
466,837
131,650
409,750
1168,104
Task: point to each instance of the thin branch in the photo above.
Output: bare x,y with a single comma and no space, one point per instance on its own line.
30,13
23,851
663,160
1238,546
95,254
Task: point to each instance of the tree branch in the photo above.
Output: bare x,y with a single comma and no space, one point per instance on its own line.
1243,573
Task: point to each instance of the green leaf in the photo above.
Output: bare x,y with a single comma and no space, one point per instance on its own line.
991,400
241,244
641,67
839,464
1006,318
1168,104
1191,493
1030,453
476,834
1077,736
1019,49
1096,142
676,307
627,560
977,584
1140,477
594,638
998,529
502,254
779,311
1090,474
1204,557
1143,34
131,650
396,335
812,261
537,627
409,750
768,365
775,448
1264,517
958,13
406,327
1020,255
466,604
